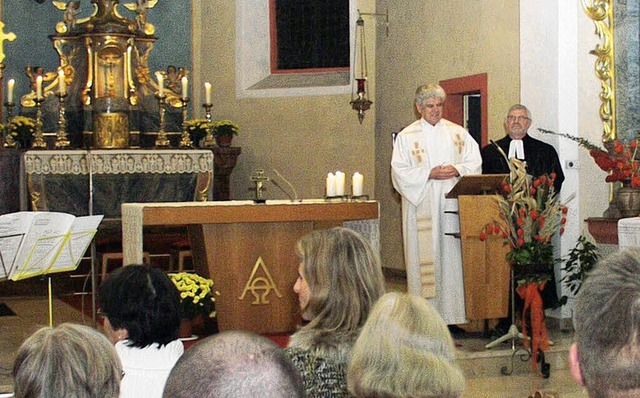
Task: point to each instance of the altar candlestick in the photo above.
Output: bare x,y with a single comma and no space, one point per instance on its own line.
39,87
357,184
331,185
207,93
185,87
160,84
61,83
10,84
340,183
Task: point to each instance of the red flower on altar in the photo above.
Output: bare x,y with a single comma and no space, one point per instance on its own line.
619,159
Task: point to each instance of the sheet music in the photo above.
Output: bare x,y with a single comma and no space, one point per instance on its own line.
76,243
13,227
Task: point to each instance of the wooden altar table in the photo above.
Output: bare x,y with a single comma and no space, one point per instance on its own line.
249,250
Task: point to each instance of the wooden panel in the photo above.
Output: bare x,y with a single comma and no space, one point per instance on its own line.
485,267
254,267
603,230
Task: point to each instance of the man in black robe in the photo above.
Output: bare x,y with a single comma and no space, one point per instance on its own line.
541,158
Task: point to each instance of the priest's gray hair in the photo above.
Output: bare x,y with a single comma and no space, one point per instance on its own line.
517,107
427,91
403,336
69,360
607,326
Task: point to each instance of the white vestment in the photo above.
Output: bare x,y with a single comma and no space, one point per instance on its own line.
427,217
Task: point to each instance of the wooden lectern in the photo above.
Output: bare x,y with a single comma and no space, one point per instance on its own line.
247,249
485,267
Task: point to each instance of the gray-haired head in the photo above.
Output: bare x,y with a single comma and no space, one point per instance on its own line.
427,91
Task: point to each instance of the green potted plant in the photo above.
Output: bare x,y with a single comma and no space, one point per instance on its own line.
223,131
580,260
198,129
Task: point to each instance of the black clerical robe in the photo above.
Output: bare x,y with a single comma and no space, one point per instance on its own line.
541,159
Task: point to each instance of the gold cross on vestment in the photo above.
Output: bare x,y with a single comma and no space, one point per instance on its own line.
417,152
459,143
4,36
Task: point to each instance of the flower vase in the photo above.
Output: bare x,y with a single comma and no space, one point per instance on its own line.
186,328
224,140
628,201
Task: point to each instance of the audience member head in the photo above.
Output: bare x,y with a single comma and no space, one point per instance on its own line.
140,304
234,364
606,355
339,279
430,102
404,350
518,121
67,361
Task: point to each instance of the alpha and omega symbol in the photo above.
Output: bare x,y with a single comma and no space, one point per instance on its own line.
260,284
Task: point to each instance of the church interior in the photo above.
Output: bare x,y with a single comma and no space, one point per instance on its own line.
293,129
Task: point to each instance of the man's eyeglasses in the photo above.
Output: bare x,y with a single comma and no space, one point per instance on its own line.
517,118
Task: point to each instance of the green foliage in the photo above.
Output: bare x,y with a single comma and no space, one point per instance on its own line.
580,260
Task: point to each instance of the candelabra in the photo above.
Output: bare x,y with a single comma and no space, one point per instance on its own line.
38,140
161,140
9,142
62,142
209,141
185,139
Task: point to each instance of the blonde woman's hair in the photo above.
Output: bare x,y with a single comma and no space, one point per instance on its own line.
69,360
404,350
344,277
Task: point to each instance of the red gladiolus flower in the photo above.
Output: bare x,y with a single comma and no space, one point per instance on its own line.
553,175
561,230
633,144
532,191
520,242
543,179
521,212
534,214
483,236
519,221
563,221
520,233
490,230
536,183
565,210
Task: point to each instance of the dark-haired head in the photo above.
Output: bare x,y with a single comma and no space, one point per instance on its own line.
142,301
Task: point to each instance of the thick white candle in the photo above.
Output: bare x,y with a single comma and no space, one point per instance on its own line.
185,87
207,93
331,185
160,77
10,84
39,87
340,180
357,184
61,83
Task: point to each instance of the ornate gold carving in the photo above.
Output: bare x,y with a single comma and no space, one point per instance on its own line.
260,286
601,12
110,130
4,36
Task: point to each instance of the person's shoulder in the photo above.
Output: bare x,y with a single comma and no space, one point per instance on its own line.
413,128
539,143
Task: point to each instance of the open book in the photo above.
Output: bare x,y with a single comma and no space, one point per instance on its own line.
39,243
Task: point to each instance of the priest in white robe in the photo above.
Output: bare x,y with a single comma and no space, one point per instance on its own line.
429,157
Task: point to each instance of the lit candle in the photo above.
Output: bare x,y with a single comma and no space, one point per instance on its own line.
160,77
340,180
207,93
185,87
331,185
357,184
61,83
39,87
10,84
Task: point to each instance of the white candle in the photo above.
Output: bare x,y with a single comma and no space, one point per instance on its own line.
185,87
331,185
160,77
340,180
10,84
61,83
39,87
207,93
357,184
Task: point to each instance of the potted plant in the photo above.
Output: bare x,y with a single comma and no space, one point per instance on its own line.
21,130
198,129
580,260
196,298
223,131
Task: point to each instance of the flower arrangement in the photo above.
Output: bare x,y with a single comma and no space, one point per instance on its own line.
196,295
22,129
224,128
620,160
198,128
